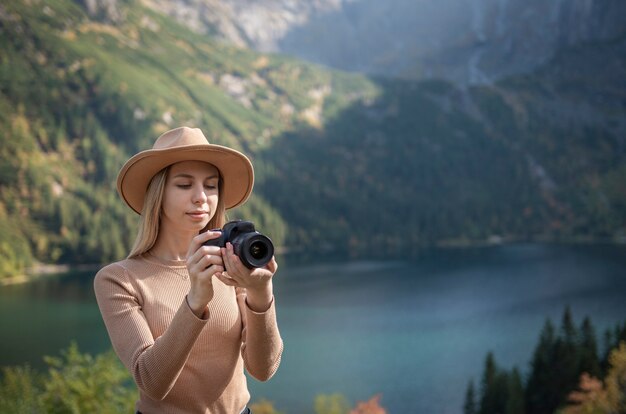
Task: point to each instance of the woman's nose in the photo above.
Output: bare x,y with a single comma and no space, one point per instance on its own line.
199,196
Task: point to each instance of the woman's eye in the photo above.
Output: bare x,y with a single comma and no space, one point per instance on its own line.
210,186
183,185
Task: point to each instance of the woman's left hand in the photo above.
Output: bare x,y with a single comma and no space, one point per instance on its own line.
257,281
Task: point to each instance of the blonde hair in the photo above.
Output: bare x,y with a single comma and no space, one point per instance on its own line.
150,220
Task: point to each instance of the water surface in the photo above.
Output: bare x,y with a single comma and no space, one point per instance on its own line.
415,331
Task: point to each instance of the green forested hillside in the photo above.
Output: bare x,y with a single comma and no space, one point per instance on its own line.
539,157
79,96
342,161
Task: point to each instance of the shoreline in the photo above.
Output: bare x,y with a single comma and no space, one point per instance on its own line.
41,270
492,241
50,269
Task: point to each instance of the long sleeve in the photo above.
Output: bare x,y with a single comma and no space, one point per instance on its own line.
181,363
154,363
262,345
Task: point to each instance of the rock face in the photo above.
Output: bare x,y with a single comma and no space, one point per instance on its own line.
255,24
466,41
106,10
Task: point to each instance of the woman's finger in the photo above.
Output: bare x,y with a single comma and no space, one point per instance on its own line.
272,265
235,267
226,280
208,260
203,251
209,271
200,239
228,260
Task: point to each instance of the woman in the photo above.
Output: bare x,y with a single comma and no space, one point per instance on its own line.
185,318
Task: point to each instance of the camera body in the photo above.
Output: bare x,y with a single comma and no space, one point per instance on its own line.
253,248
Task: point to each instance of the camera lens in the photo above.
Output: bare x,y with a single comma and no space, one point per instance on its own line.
258,250
254,250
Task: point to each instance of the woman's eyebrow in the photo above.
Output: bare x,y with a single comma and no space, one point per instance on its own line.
185,175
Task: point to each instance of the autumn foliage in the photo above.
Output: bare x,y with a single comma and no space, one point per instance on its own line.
596,396
371,406
328,404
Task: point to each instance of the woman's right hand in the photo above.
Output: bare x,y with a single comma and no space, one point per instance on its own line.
203,262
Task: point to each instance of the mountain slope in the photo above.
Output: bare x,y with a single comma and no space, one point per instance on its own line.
538,157
79,95
467,42
367,167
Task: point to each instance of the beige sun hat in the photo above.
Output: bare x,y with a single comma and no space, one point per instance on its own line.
185,144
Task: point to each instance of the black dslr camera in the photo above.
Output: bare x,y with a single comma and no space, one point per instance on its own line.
252,248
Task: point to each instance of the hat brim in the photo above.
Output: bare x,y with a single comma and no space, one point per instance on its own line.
235,170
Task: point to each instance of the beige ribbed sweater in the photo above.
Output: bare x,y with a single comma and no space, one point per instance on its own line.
183,364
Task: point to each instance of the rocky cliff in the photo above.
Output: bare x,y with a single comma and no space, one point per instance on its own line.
467,41
259,25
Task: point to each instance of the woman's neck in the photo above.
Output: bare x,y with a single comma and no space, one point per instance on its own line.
172,245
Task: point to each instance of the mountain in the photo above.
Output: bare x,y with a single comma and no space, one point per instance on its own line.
85,85
369,167
464,41
258,25
533,157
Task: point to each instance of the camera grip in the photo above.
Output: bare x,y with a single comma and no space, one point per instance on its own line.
218,241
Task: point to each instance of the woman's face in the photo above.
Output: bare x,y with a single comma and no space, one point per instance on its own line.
190,197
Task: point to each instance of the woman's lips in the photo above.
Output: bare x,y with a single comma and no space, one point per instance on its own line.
198,215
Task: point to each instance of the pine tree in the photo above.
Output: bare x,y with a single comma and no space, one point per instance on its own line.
489,395
469,407
539,389
515,393
565,361
588,350
612,339
568,328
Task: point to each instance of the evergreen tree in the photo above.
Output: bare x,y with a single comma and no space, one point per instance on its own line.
568,328
612,339
489,396
556,367
469,407
621,334
515,394
565,360
608,342
588,350
539,389
501,392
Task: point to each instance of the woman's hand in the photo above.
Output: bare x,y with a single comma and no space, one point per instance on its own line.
203,262
257,281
